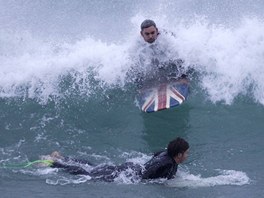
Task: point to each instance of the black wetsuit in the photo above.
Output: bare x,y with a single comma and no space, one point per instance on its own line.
102,172
160,166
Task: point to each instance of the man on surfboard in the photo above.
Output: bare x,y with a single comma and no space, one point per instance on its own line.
157,71
163,164
154,57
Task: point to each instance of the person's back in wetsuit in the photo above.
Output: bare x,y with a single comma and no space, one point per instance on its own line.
160,166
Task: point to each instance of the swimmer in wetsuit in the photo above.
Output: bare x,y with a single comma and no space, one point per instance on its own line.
154,57
163,164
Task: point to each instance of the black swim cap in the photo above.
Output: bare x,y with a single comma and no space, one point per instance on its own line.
147,23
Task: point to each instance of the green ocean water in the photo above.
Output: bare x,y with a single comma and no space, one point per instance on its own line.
222,138
63,87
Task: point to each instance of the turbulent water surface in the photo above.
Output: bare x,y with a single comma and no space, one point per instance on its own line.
63,87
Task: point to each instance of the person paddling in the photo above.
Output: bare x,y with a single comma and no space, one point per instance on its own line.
163,164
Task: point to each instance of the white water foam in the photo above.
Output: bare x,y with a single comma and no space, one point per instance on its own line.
36,68
65,180
225,177
229,60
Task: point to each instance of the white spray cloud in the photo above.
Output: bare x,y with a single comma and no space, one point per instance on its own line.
228,59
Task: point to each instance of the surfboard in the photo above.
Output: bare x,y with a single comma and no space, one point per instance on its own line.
165,95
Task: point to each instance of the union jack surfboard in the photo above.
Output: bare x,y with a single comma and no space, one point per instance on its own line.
163,96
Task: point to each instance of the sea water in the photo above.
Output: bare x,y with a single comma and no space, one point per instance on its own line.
63,87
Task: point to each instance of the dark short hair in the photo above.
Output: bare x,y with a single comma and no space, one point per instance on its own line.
147,23
176,146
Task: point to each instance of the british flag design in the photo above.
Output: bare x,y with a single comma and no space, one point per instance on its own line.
163,96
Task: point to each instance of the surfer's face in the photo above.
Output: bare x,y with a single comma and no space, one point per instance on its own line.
149,34
181,157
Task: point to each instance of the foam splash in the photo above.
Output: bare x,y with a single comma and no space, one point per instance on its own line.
39,171
64,180
226,177
54,176
36,69
228,60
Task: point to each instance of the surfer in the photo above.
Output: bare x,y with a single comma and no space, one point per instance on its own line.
163,164
155,59
149,31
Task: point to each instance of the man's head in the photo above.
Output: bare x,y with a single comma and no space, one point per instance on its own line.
149,31
178,150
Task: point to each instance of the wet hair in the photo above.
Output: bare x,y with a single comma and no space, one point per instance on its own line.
176,146
147,23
